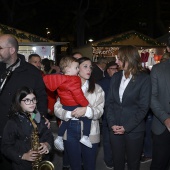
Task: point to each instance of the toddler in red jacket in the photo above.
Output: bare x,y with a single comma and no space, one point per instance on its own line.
68,86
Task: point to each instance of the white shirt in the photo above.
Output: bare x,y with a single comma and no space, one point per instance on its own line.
123,85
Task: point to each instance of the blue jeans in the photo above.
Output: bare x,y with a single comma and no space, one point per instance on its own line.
86,126
77,152
65,159
108,158
85,120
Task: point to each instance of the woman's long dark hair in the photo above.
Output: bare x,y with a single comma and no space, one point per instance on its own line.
16,101
91,79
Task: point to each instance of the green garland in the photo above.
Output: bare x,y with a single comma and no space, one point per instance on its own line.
8,30
127,36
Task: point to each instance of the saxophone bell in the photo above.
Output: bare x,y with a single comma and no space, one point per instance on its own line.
46,165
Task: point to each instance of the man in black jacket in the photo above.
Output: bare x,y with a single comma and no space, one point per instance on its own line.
160,105
99,69
15,72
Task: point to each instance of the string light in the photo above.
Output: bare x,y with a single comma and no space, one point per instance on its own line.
33,38
128,35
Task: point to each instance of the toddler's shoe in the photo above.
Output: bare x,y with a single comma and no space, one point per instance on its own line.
86,141
58,143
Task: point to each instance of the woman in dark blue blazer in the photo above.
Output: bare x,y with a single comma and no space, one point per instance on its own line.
127,105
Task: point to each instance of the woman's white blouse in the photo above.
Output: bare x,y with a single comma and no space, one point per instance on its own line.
124,82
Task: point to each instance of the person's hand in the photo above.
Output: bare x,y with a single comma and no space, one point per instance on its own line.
167,124
78,112
119,130
47,122
30,156
44,148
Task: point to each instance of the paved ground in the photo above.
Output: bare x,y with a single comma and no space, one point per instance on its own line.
57,156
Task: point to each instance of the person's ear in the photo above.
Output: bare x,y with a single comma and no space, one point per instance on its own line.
12,50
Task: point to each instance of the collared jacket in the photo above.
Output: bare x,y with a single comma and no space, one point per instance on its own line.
95,111
68,89
129,113
17,140
24,75
160,99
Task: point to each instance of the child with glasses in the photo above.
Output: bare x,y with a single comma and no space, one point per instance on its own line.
16,140
68,87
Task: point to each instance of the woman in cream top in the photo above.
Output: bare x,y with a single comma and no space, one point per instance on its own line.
95,95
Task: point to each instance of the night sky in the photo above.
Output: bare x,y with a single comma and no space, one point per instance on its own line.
78,20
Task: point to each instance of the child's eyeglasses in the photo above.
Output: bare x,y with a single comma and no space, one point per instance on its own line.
28,101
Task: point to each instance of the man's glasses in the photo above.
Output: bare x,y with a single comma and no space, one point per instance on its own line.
28,101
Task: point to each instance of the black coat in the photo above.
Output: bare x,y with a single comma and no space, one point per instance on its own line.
16,140
24,75
105,84
160,100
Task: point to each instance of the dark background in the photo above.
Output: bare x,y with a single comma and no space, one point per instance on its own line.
78,20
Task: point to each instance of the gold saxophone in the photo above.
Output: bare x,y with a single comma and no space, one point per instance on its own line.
38,164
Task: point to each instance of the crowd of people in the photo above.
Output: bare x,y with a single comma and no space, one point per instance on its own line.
121,98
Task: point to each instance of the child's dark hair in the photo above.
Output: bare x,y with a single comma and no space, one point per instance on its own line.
91,79
16,101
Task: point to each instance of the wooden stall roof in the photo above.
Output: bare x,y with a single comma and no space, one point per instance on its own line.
129,38
25,38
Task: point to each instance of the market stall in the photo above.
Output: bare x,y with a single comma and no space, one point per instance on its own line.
30,43
148,48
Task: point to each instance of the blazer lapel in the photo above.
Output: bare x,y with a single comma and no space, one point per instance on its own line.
129,88
118,81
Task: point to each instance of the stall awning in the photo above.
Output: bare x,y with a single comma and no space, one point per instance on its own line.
128,38
27,39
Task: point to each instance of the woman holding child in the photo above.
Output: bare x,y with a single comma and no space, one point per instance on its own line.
95,95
